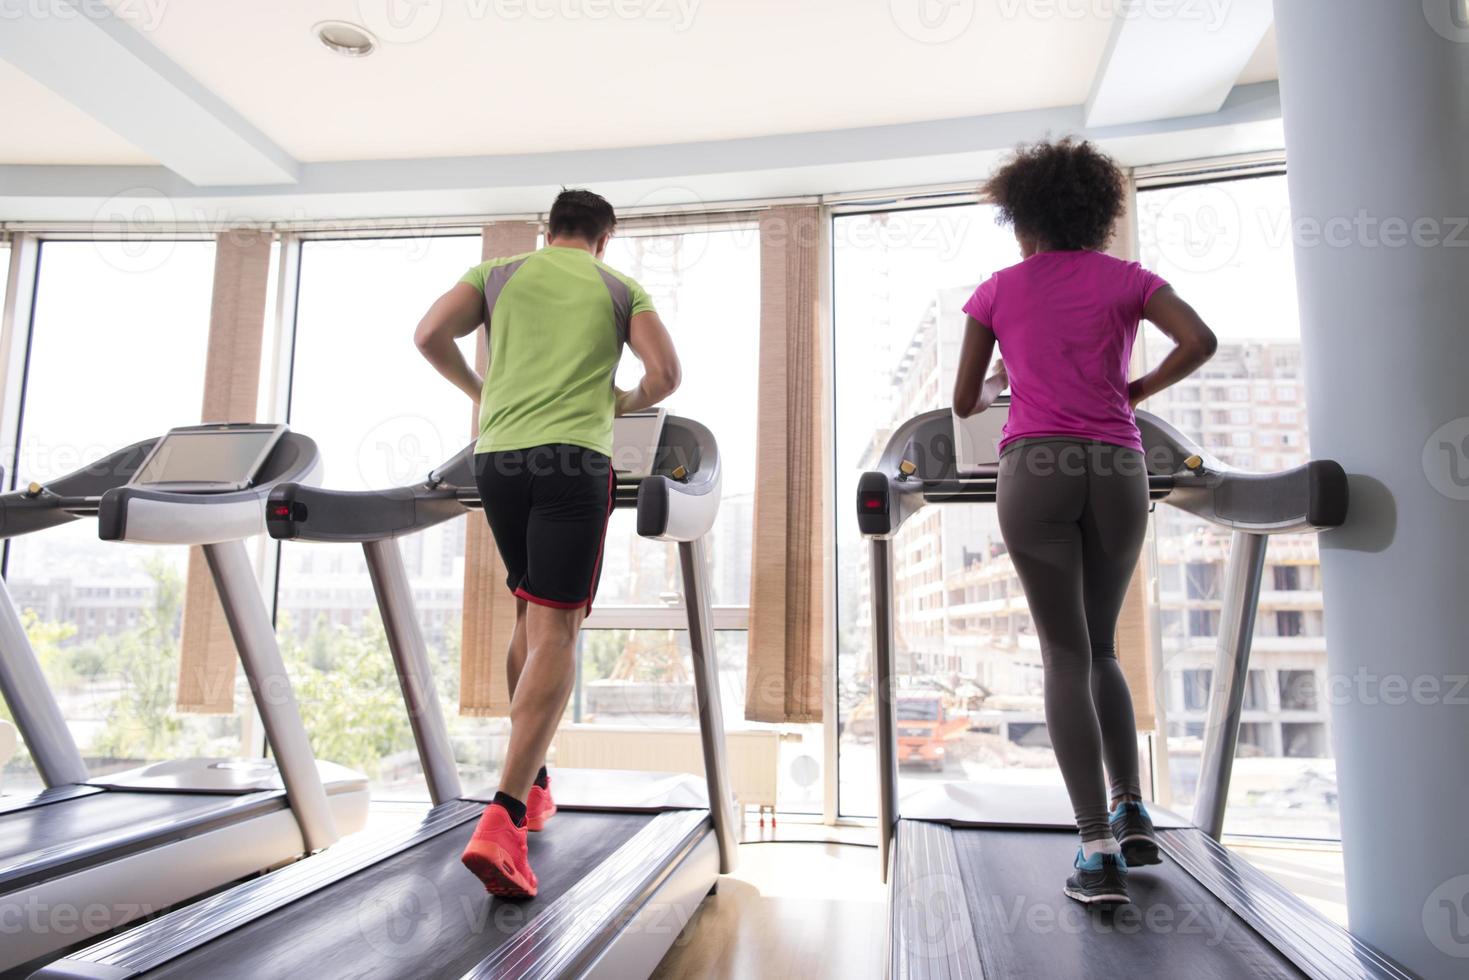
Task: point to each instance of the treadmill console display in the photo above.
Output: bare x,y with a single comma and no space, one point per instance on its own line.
635,441
205,458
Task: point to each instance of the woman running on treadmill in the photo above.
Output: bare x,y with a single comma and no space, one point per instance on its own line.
557,320
1073,487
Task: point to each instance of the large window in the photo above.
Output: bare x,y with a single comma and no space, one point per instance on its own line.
4,270
381,417
968,663
635,661
1226,248
967,656
116,355
706,286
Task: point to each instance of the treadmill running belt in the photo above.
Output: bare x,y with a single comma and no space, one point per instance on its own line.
1026,926
419,913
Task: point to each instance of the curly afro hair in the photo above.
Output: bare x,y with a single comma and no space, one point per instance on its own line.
1065,194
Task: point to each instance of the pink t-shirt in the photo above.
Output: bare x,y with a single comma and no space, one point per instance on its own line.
1065,322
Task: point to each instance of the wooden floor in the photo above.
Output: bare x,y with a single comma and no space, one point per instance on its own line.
793,910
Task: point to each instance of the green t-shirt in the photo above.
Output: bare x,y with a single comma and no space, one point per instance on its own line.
557,320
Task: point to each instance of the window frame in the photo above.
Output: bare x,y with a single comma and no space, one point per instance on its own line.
25,240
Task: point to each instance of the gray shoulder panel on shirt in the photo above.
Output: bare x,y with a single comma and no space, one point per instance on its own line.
621,303
495,281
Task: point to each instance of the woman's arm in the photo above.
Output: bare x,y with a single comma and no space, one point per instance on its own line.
649,340
1194,343
457,313
973,393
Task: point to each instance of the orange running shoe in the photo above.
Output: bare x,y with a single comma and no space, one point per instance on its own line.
497,856
539,807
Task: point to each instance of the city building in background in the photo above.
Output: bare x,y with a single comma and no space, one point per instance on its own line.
964,634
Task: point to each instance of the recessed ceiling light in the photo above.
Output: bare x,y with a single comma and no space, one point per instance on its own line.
346,39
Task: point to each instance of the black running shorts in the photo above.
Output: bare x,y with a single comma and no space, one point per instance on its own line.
548,509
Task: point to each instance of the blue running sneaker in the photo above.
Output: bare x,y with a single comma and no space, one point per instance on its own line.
1099,880
1133,829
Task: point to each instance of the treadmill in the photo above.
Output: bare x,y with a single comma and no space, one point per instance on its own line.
128,844
975,878
623,865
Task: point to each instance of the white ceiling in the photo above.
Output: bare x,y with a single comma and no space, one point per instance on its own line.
1262,67
482,84
41,127
484,104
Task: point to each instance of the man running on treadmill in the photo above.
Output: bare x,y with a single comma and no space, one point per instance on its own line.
557,320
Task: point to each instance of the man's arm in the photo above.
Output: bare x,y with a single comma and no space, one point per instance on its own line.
457,313
649,340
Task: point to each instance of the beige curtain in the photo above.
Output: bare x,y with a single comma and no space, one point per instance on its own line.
1134,639
231,388
788,582
489,608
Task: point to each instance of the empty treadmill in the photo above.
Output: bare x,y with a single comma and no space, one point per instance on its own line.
622,866
128,844
975,875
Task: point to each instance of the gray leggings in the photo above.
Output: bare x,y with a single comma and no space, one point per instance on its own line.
1074,514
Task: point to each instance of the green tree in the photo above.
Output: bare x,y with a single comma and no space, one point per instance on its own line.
142,723
601,649
46,639
348,691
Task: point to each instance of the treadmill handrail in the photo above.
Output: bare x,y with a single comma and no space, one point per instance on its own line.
219,522
919,465
678,503
669,508
144,514
1307,498
307,513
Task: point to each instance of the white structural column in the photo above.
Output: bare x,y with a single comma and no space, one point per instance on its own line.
1377,137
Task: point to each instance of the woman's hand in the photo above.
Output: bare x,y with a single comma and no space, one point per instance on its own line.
972,392
994,386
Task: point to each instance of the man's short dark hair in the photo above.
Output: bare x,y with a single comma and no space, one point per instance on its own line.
581,214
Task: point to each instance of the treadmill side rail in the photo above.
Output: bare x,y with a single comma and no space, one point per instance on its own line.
160,940
930,932
1316,945
566,938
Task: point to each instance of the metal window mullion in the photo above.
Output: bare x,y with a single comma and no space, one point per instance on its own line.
15,332
282,320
